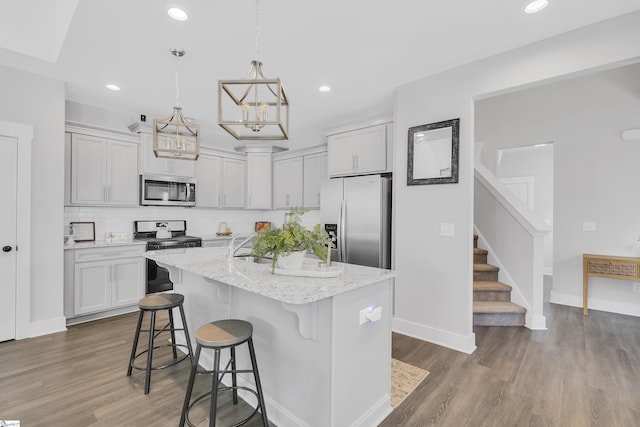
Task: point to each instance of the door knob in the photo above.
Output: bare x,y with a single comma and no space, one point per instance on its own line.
6,248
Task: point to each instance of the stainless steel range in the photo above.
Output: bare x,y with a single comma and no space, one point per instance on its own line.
160,235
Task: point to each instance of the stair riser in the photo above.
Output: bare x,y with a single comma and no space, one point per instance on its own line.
488,276
492,295
479,258
498,319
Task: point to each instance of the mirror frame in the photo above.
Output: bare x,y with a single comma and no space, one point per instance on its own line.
454,124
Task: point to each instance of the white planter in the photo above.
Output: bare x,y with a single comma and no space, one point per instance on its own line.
292,261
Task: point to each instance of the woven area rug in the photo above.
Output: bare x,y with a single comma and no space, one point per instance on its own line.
404,379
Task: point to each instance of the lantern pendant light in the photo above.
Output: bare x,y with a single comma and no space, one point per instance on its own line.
176,137
255,107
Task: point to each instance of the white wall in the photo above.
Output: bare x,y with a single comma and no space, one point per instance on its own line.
535,162
433,299
38,101
595,172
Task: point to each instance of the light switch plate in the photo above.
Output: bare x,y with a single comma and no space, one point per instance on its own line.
447,229
588,226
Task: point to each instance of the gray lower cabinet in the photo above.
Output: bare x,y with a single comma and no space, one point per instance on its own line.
99,280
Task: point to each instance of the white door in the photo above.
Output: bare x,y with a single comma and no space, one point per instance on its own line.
8,237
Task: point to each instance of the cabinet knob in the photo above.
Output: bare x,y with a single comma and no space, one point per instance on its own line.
6,249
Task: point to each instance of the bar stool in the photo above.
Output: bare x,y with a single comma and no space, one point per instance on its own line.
152,304
219,335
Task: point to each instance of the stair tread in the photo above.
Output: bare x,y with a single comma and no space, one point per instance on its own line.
481,285
480,251
485,267
497,307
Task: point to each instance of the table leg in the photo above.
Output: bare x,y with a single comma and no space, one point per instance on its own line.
585,287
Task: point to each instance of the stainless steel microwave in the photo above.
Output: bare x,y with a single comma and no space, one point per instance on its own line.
164,190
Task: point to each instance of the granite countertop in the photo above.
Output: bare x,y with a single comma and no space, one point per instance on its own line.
258,278
103,244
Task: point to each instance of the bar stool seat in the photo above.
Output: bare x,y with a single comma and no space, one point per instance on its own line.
153,303
219,335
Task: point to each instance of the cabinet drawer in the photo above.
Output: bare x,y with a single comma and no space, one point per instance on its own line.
613,268
115,252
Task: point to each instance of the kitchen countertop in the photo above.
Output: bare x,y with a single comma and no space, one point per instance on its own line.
213,263
216,237
103,244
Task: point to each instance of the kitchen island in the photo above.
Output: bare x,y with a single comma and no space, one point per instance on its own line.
319,366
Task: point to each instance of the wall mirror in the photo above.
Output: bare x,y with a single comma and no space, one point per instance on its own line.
433,153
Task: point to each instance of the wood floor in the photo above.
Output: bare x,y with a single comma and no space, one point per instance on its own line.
78,378
583,371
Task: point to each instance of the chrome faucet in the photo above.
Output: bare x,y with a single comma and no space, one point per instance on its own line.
232,248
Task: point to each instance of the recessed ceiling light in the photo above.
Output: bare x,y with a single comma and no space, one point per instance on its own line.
113,87
536,6
324,89
178,14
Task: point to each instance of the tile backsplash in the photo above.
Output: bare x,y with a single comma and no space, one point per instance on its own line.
200,221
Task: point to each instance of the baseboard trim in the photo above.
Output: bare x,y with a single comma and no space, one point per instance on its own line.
536,322
46,327
464,344
596,304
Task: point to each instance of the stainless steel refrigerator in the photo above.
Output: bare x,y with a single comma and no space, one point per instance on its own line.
356,212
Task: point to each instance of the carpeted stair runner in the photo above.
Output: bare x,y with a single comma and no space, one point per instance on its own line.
492,304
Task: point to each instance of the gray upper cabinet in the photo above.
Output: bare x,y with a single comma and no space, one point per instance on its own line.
103,171
287,183
315,171
359,151
209,181
220,182
163,166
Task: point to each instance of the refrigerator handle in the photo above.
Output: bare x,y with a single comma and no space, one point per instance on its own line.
342,241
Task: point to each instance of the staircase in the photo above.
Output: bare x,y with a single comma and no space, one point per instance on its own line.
492,304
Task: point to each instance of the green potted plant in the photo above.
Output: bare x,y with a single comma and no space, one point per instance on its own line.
292,238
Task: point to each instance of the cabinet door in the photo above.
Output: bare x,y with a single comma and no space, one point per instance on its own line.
209,182
88,170
122,173
287,183
233,183
315,171
150,163
259,181
160,165
182,167
371,149
92,287
341,150
127,281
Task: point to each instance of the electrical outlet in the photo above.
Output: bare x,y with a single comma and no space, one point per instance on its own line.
636,287
588,226
447,229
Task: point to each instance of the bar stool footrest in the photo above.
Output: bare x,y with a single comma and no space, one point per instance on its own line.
208,393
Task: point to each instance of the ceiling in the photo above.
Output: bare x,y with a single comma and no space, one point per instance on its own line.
362,49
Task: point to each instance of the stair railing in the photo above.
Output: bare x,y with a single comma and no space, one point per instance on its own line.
514,237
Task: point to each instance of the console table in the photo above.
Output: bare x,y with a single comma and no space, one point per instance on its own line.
613,267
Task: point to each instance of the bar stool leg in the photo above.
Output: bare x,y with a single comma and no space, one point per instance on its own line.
135,343
214,388
173,334
234,378
186,335
192,378
254,364
152,331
